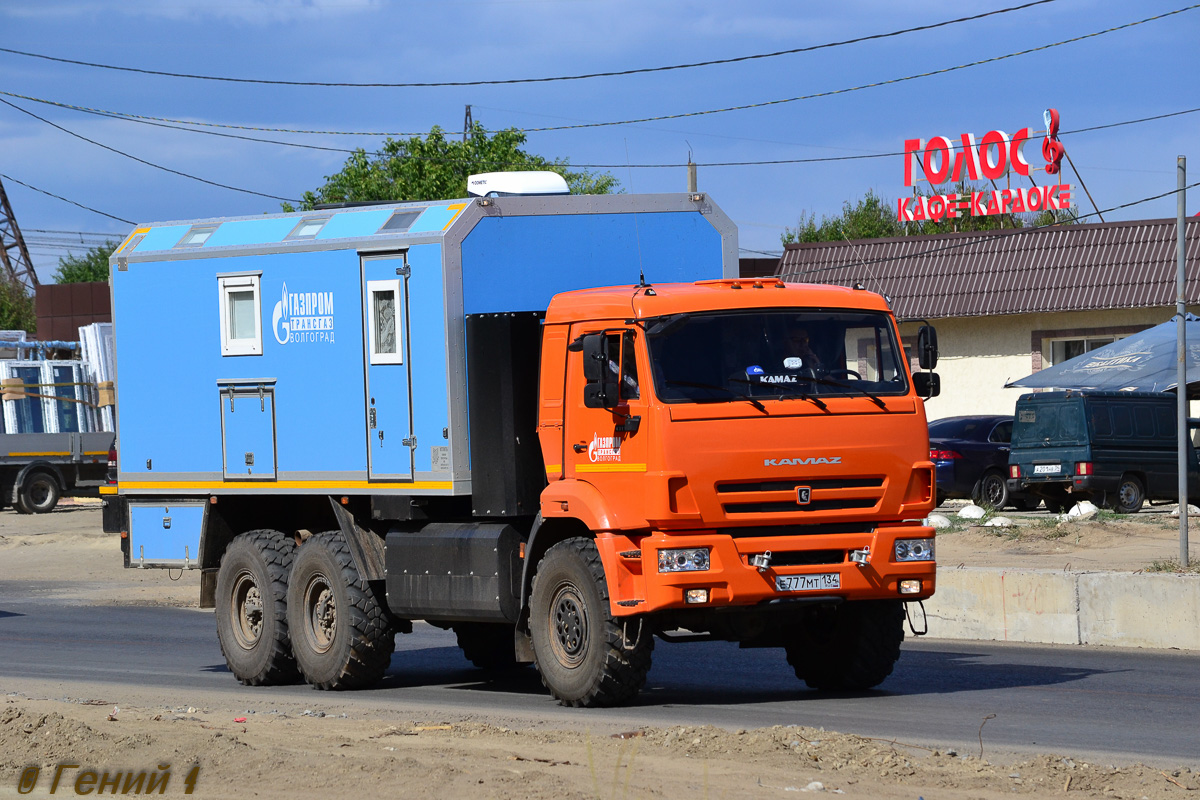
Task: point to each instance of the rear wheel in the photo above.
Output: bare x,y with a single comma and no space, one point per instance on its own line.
853,646
251,608
487,645
39,494
341,633
1129,496
585,656
991,491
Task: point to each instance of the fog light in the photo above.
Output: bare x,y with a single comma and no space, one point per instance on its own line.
910,587
692,559
914,550
696,596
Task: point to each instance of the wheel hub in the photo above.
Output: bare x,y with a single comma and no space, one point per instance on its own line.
321,611
247,611
569,622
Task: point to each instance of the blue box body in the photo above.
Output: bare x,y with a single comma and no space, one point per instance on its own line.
308,414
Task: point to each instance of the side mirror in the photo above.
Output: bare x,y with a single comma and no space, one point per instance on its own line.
601,390
927,347
927,384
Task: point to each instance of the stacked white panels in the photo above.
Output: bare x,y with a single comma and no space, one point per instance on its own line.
96,352
41,411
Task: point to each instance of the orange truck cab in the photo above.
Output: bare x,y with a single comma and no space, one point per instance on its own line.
746,460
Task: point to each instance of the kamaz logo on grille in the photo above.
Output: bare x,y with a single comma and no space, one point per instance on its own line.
792,462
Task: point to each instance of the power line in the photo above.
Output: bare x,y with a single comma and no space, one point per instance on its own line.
65,200
144,161
181,125
832,92
549,79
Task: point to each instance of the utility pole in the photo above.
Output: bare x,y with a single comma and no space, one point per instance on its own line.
691,172
14,255
1181,384
467,123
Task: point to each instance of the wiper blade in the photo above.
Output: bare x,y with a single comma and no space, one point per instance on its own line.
726,389
796,395
831,382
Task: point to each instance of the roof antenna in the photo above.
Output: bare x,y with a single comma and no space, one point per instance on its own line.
867,267
637,234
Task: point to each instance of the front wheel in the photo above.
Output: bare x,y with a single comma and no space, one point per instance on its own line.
586,657
991,491
341,633
852,647
251,608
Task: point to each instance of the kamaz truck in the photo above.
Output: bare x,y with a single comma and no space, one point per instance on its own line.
559,425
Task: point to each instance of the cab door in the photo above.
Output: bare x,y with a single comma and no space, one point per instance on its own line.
390,441
607,446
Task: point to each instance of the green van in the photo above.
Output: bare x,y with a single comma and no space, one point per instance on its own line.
1116,449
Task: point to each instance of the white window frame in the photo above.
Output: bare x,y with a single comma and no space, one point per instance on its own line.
391,285
226,285
1048,344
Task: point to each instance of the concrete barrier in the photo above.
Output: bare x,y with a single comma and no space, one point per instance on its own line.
1056,607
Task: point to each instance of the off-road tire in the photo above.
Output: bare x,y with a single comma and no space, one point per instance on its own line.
251,608
39,494
342,636
488,645
991,491
848,648
581,651
1129,496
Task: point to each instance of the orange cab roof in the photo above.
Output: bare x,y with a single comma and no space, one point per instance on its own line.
640,302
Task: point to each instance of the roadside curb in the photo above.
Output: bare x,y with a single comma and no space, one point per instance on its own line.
1054,607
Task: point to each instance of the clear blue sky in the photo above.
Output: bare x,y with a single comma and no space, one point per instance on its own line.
1146,70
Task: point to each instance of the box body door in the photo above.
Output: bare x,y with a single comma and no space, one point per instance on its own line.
390,441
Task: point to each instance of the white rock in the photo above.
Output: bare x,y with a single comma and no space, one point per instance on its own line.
999,522
971,512
1083,510
938,521
815,786
1192,511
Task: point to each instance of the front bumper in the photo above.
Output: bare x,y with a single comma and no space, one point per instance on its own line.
637,587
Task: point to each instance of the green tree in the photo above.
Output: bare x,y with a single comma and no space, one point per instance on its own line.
16,308
93,266
872,217
436,168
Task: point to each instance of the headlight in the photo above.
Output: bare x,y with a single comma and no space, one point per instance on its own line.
914,550
692,559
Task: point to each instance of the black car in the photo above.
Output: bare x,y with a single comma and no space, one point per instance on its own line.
971,456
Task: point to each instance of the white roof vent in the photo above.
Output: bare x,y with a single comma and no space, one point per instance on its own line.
505,184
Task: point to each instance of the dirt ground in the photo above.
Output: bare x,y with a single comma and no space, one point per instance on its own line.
243,746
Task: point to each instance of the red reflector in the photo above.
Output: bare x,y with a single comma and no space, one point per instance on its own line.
943,455
1083,468
1014,471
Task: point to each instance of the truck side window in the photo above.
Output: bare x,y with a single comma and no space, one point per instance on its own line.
629,376
240,308
621,361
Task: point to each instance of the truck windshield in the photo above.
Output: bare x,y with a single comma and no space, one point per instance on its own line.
722,356
1049,424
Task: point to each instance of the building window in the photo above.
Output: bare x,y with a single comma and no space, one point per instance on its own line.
308,228
1061,350
241,333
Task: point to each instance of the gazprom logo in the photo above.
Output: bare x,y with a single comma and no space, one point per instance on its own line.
793,462
303,317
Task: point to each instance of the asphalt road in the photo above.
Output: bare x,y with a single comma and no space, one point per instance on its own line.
1125,705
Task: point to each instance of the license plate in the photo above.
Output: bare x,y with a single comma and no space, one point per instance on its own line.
1047,469
808,583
